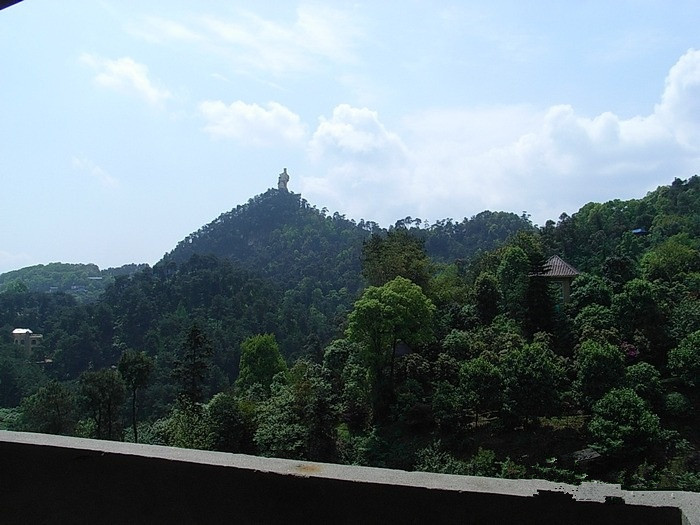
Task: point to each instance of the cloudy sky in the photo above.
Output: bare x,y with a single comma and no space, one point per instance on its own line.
126,125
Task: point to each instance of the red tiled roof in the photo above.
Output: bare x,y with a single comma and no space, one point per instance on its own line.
558,267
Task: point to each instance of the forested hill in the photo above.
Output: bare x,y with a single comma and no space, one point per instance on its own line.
602,236
279,235
85,282
282,236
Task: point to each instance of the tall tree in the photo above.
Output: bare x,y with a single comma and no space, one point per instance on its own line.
385,315
135,367
599,368
480,386
261,360
532,382
103,392
513,277
622,424
192,367
487,296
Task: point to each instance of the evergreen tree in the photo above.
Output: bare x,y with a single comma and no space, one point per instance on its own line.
135,367
192,367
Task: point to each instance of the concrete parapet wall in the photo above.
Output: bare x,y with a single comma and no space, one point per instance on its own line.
56,479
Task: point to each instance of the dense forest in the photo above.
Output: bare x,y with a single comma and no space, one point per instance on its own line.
279,329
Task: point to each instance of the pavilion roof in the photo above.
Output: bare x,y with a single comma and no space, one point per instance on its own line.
558,267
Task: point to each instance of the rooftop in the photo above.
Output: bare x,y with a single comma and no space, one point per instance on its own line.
558,267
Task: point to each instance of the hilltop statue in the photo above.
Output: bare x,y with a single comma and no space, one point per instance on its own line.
283,180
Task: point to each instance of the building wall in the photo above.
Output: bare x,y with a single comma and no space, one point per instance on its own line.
27,340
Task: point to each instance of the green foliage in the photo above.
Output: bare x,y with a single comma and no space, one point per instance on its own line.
336,356
623,425
448,411
645,380
640,307
357,394
550,471
599,368
684,360
297,420
399,254
685,317
385,315
487,297
470,322
461,344
596,323
533,381
483,463
672,259
51,410
617,270
230,425
102,394
135,368
480,386
677,405
260,362
433,459
588,289
513,277
18,377
10,419
447,287
188,426
192,367
85,282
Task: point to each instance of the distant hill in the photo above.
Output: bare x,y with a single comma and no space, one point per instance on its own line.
84,281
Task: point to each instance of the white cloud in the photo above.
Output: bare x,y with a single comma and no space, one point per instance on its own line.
460,161
317,34
252,124
88,167
127,75
680,104
357,132
159,30
358,155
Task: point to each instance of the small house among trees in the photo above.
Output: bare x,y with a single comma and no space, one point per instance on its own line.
27,339
561,273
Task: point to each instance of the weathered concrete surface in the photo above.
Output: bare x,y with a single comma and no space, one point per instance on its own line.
55,479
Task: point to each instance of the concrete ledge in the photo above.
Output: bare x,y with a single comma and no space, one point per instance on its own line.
56,479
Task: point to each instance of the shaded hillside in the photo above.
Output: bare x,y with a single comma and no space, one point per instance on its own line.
281,236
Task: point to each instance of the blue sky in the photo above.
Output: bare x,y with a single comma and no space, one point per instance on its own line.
126,125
